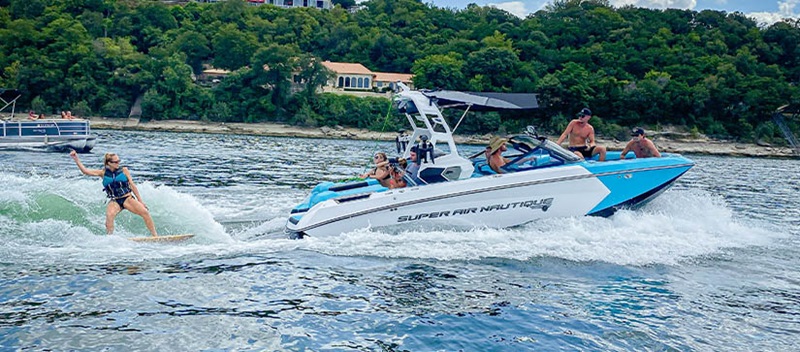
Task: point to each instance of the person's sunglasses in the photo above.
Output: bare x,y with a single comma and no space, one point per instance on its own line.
114,161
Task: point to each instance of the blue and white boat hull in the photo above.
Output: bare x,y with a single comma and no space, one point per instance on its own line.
498,201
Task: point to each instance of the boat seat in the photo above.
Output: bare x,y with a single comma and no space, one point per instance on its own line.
482,169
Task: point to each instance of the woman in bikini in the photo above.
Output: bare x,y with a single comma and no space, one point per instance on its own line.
121,190
381,170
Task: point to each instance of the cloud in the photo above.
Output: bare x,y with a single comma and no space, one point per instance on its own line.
516,8
786,9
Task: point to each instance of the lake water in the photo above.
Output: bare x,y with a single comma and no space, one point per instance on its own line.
710,265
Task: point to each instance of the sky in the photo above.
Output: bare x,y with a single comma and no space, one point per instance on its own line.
763,11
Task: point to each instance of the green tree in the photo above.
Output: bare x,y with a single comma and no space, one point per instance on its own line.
273,68
438,71
233,48
195,46
499,65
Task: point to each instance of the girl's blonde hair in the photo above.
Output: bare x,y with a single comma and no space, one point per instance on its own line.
108,157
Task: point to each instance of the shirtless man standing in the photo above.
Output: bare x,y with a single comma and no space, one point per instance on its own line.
581,137
640,145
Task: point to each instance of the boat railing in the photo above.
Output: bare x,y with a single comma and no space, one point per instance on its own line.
45,128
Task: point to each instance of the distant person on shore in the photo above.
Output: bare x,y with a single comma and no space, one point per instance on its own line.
121,190
381,170
640,145
495,151
581,137
67,115
32,115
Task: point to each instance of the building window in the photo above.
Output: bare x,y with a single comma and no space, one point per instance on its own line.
366,83
360,82
379,84
341,82
347,82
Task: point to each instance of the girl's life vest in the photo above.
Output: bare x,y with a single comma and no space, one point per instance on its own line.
115,183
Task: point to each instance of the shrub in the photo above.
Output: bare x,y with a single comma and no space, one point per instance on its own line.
116,108
39,106
81,109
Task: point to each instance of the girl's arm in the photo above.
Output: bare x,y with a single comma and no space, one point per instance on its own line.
83,169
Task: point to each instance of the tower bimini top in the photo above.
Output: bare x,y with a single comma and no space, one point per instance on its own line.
483,101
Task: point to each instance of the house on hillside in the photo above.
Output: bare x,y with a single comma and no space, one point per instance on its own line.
349,75
213,75
388,81
354,76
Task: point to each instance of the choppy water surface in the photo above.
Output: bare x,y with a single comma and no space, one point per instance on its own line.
710,265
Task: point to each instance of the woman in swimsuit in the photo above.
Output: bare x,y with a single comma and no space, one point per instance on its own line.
122,191
381,170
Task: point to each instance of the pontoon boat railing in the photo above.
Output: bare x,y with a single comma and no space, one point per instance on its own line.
61,128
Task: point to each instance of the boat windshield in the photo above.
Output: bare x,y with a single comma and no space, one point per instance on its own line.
532,153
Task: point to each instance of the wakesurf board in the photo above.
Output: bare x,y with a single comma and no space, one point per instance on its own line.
169,238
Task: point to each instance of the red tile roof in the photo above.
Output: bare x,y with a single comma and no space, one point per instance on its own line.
344,67
393,77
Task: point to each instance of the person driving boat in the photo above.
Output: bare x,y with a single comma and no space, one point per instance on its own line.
494,154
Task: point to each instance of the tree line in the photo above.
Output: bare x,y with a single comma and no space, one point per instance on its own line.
711,72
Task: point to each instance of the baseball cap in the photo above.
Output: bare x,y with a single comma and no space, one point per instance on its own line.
637,131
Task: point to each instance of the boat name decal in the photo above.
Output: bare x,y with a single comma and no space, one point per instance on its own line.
543,204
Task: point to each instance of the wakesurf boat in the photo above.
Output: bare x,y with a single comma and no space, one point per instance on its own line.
542,179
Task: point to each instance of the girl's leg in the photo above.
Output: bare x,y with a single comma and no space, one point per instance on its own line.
134,206
112,209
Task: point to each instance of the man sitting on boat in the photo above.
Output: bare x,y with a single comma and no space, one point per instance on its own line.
412,171
495,154
581,137
640,145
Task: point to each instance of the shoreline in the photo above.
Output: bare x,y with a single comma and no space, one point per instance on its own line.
703,146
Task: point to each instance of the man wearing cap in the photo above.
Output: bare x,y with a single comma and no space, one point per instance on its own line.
581,137
640,145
